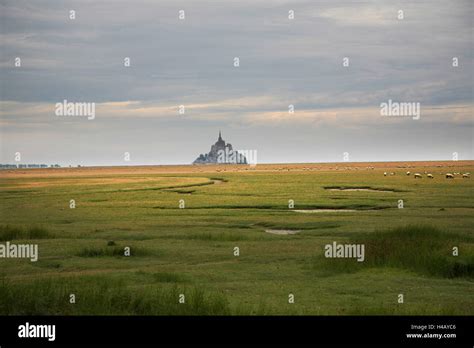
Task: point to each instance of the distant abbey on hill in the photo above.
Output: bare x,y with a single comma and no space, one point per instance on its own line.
221,153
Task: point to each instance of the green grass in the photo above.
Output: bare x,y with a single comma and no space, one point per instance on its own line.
191,250
422,249
95,296
111,251
8,233
167,277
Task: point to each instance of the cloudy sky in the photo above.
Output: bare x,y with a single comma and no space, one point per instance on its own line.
190,62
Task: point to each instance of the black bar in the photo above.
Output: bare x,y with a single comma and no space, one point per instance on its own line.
224,330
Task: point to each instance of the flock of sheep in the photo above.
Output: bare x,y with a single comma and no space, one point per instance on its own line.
430,176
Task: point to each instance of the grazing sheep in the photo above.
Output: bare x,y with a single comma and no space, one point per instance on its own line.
417,175
430,176
449,176
466,175
408,173
392,173
384,173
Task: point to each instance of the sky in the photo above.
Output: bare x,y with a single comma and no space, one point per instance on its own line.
190,62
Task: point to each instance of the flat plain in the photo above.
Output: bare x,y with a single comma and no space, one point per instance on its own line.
239,240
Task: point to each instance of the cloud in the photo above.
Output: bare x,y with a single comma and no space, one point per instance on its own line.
254,111
361,15
190,63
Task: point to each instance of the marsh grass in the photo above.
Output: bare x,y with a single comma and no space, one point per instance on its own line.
8,233
219,236
421,249
165,188
168,277
281,207
115,251
97,296
193,246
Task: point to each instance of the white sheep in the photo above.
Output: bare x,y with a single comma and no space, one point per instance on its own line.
430,176
466,176
408,173
449,176
384,173
417,175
